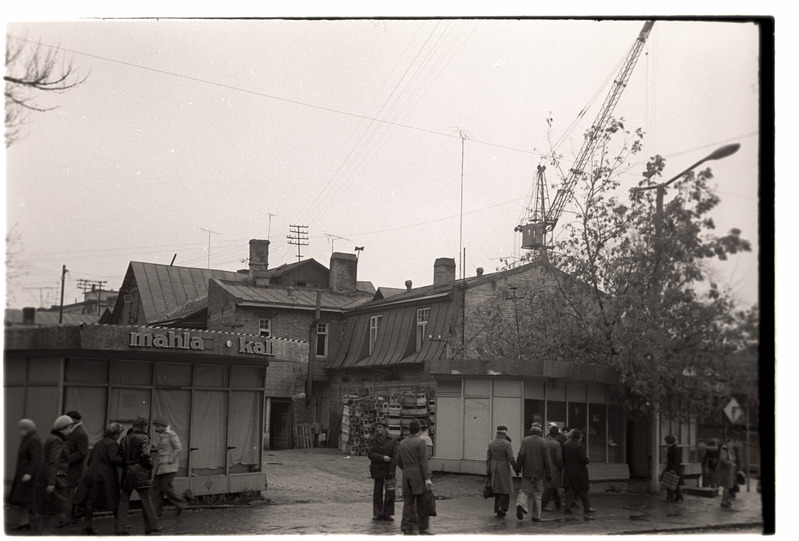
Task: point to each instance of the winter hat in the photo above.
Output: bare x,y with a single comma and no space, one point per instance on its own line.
415,426
160,421
114,429
27,424
141,422
74,415
576,434
502,428
62,422
553,428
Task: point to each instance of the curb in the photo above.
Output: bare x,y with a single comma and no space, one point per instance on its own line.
730,526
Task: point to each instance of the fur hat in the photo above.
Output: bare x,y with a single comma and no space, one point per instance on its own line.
74,415
553,428
160,421
27,424
415,426
62,422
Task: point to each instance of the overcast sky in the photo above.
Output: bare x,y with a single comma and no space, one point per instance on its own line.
190,125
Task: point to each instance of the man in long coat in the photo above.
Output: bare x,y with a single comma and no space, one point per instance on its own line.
52,482
135,449
499,463
535,466
725,471
556,457
412,460
575,472
382,468
29,462
78,449
102,474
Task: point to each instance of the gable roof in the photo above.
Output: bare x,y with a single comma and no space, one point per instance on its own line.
164,288
248,294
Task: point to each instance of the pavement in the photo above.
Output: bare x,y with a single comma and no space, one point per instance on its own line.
322,491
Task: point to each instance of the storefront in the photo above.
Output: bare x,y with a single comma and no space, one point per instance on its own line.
209,385
472,403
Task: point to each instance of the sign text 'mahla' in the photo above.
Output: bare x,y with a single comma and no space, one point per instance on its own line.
184,340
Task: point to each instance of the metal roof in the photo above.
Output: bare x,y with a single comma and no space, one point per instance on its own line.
13,316
290,297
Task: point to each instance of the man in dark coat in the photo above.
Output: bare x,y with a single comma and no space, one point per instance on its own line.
412,459
29,461
556,457
78,449
673,465
535,466
499,464
103,475
382,454
136,476
575,472
52,482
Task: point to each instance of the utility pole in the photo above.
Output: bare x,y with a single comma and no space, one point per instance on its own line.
298,238
313,337
209,243
93,285
61,306
460,234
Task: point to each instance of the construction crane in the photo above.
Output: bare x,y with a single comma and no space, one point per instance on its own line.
542,217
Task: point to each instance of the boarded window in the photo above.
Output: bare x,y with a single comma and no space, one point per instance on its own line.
210,375
173,374
246,376
131,373
91,403
127,404
44,370
449,388
86,371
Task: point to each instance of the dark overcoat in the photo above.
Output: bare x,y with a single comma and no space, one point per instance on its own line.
533,459
575,472
29,461
102,475
727,466
379,447
556,457
499,462
412,460
135,448
54,473
78,449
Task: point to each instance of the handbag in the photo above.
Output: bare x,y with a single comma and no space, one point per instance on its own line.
487,491
427,506
670,480
740,478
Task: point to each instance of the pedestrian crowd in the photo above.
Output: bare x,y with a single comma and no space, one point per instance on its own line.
60,481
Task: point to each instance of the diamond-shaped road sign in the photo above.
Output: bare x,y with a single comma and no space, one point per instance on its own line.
733,411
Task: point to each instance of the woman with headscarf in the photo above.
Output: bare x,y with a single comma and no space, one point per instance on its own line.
499,463
673,465
102,475
726,470
53,478
29,461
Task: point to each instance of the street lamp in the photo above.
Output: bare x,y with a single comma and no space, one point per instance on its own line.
719,153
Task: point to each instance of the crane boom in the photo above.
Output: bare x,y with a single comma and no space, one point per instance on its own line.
543,220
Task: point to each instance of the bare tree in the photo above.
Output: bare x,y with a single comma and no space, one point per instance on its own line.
30,70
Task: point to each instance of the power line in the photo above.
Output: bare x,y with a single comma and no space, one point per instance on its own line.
299,238
209,243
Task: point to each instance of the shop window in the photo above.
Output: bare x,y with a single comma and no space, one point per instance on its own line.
86,371
91,403
577,416
209,411
174,405
14,371
131,373
374,329
533,413
173,374
597,425
127,404
265,328
210,375
42,407
321,340
44,370
422,317
246,376
556,413
615,434
244,431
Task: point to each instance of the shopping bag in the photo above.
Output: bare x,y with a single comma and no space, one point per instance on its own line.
487,492
670,480
427,507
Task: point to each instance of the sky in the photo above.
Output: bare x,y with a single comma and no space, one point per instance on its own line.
353,128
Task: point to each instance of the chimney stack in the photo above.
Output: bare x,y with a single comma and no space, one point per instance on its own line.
444,271
408,285
343,273
259,259
479,271
29,315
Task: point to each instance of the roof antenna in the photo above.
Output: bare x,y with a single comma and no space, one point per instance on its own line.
173,259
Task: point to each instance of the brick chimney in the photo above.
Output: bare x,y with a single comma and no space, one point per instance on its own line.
259,260
444,271
29,315
408,285
343,273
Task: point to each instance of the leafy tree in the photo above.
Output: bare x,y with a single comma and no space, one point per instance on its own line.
628,294
30,70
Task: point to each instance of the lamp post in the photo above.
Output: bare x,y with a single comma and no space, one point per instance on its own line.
719,153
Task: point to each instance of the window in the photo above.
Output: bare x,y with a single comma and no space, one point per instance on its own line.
374,328
265,328
422,316
343,330
321,340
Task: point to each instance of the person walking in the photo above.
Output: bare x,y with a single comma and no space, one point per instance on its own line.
726,470
135,449
673,465
29,462
535,467
168,447
711,463
102,473
412,460
499,464
78,449
555,449
53,490
575,472
382,468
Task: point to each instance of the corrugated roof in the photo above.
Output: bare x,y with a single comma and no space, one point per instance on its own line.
13,316
291,297
164,288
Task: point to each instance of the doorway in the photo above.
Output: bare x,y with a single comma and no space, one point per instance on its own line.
280,424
